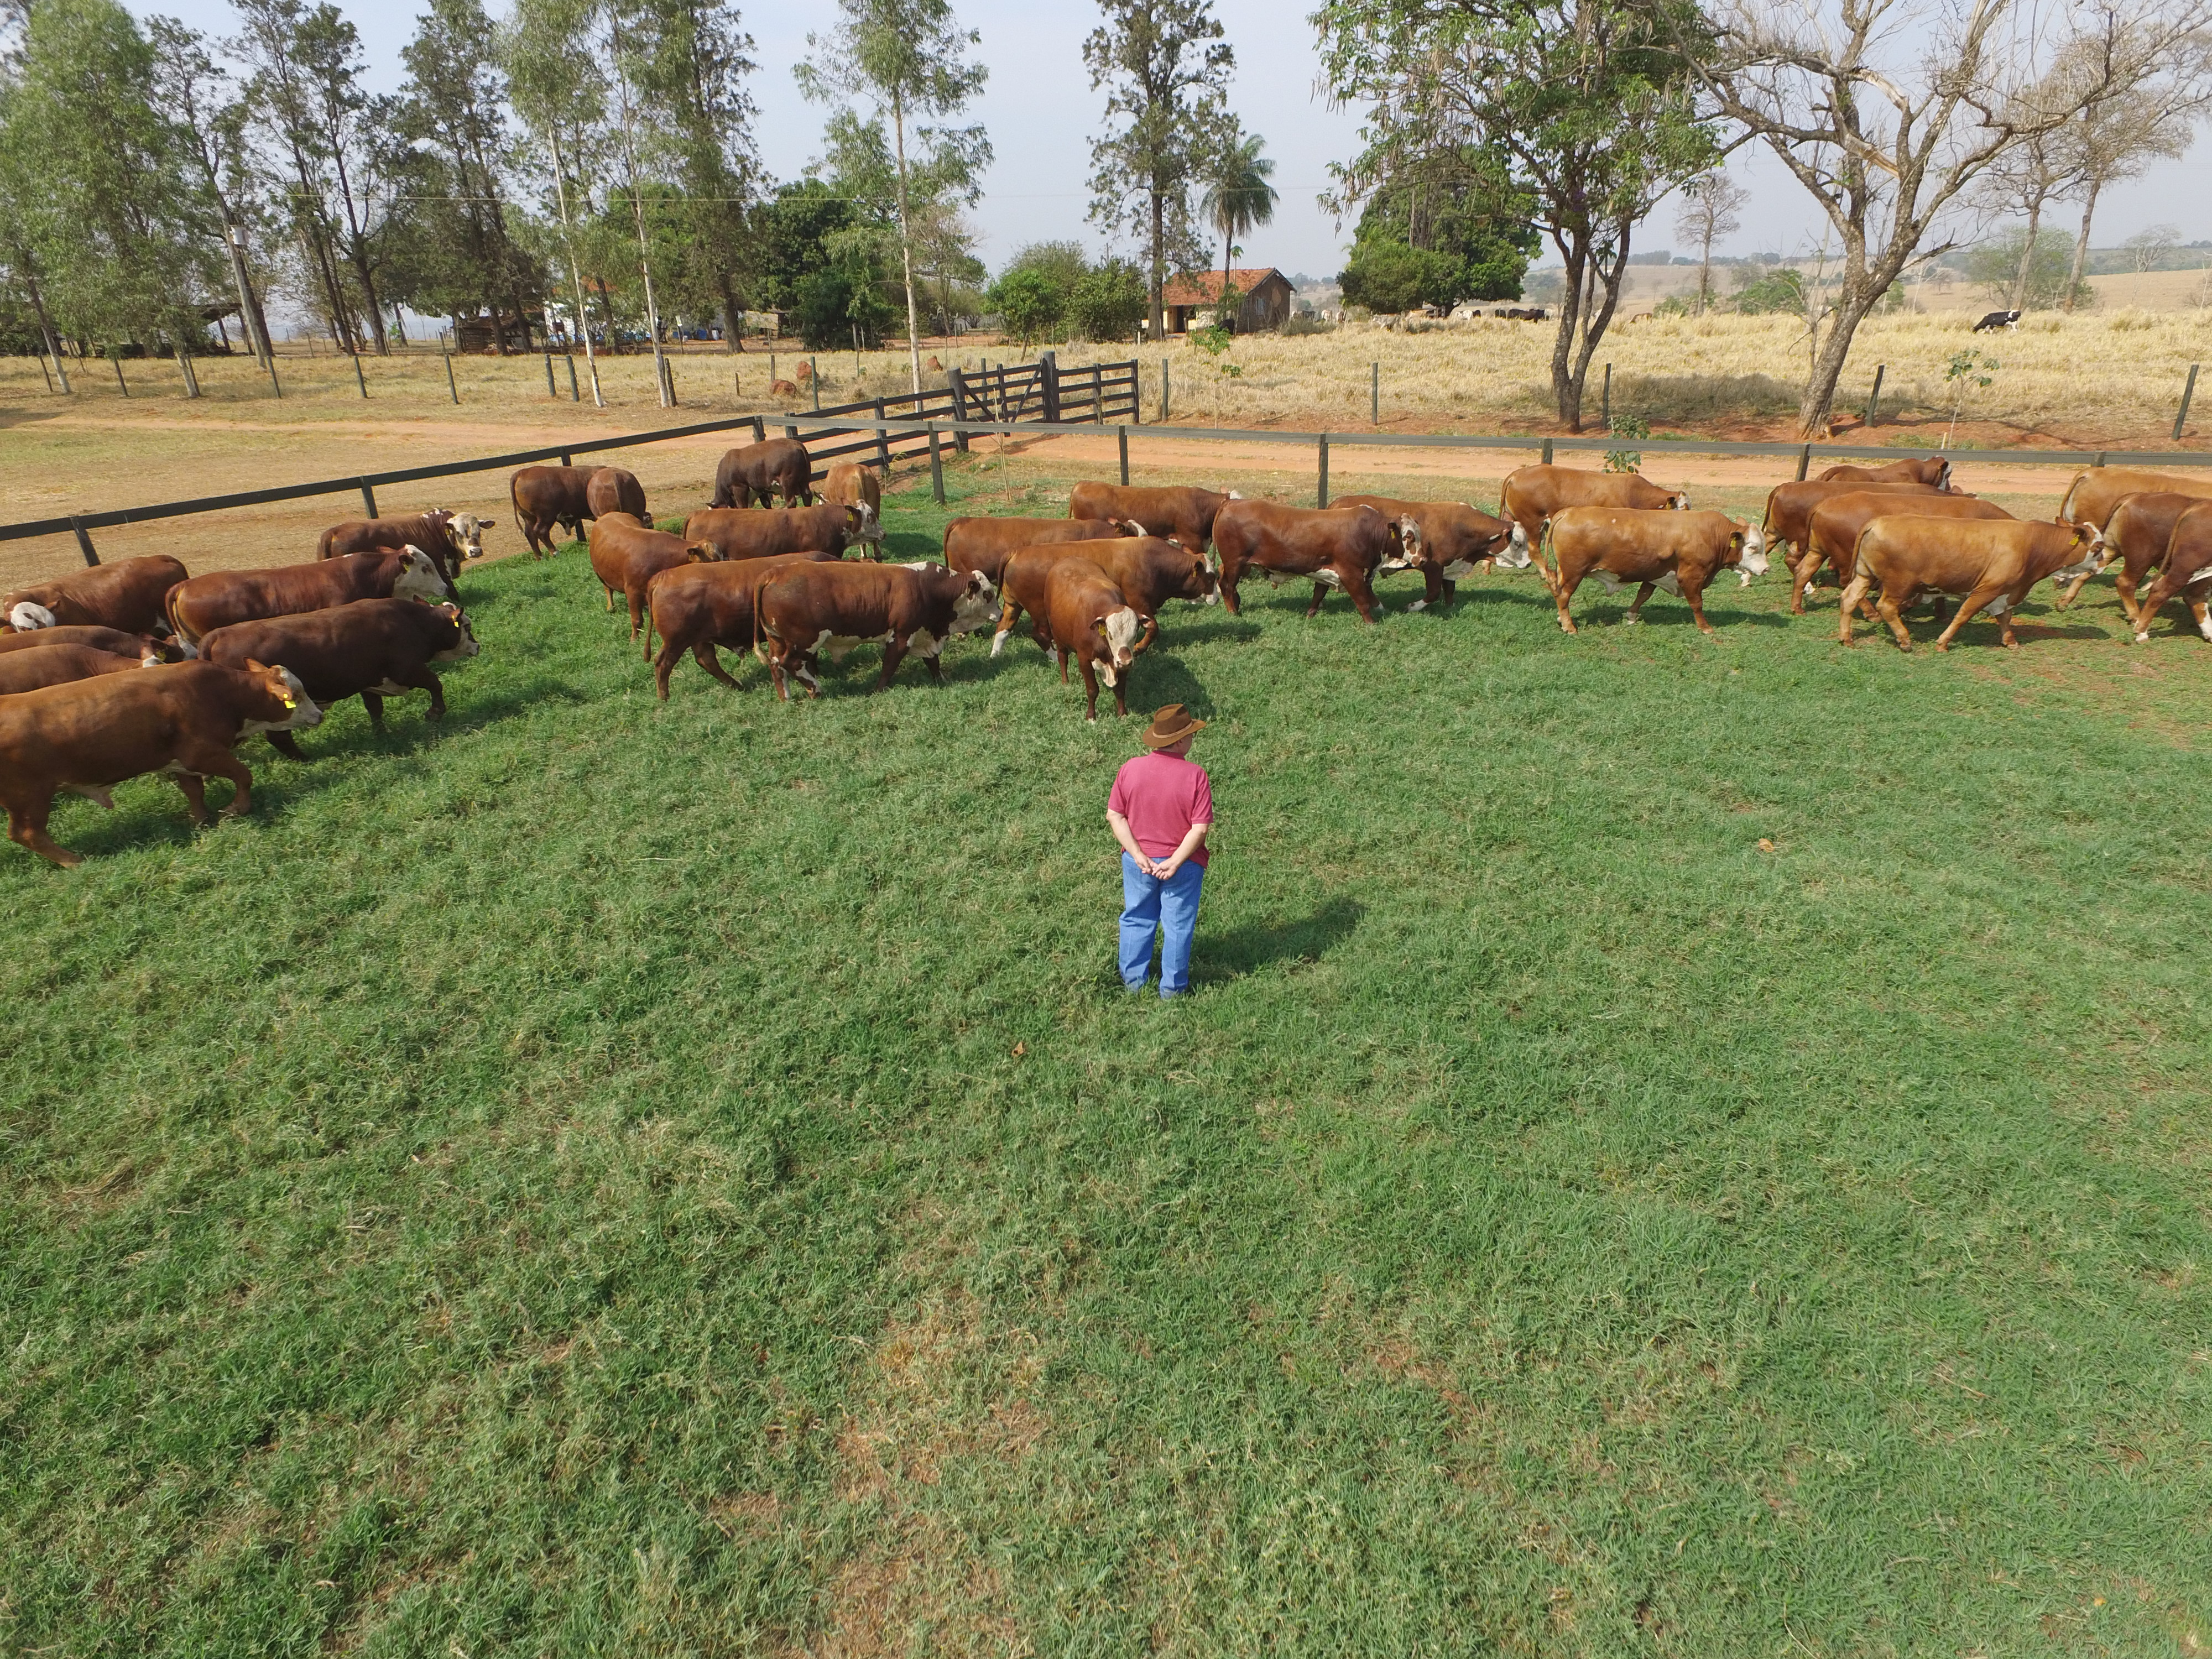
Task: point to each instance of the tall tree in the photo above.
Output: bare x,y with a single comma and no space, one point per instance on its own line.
1166,66
1237,195
1712,207
210,126
693,61
622,47
560,97
909,56
1588,102
1887,111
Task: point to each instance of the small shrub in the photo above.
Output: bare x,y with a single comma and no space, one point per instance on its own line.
1306,323
1213,341
1630,427
1673,306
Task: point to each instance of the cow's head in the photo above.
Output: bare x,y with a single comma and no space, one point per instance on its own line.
861,523
1943,478
27,616
1118,629
1131,527
289,708
1678,500
1519,543
418,578
1406,538
1748,544
2084,556
704,552
465,643
1201,585
467,532
976,606
1508,549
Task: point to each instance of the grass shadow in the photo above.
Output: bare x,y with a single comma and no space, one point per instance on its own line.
1160,678
1258,944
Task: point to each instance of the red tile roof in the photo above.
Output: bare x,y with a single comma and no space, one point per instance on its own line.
1203,287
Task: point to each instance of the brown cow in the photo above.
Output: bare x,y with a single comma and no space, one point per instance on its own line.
1184,514
547,497
143,646
371,648
449,537
1790,509
984,544
1934,471
1149,570
1088,619
2093,495
626,554
751,533
1531,495
758,473
849,483
1342,547
1655,548
58,665
222,597
1833,530
1454,539
126,596
90,735
700,607
800,610
616,490
2185,570
2139,530
1992,565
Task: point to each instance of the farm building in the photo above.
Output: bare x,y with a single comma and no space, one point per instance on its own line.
1265,301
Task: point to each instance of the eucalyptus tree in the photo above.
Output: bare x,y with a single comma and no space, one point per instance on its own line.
559,94
210,126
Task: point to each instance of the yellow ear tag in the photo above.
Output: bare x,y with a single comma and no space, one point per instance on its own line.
288,703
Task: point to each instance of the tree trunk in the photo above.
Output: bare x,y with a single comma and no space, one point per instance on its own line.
906,247
637,209
1574,255
1159,261
248,318
734,328
2082,241
569,241
2027,256
45,323
607,310
1705,271
1827,367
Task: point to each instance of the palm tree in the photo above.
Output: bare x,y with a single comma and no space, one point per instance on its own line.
1239,196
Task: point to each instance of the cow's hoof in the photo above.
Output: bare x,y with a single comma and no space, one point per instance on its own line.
1418,605
2142,639
1631,620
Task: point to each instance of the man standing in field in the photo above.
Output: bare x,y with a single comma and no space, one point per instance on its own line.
1160,810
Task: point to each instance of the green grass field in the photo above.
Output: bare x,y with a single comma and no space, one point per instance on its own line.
614,1179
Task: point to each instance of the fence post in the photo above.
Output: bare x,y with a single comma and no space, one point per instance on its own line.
1873,400
367,498
568,458
1164,390
760,430
44,370
814,380
192,380
2099,461
2187,392
1322,493
117,362
883,443
936,468
959,379
1547,452
452,385
1049,385
792,433
575,392
360,378
1375,393
1804,462
83,541
667,380
551,389
275,384
1098,393
1605,401
1122,432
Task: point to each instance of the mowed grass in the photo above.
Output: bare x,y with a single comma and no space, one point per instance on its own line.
609,1178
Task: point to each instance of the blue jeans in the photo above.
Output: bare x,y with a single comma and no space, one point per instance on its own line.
1170,906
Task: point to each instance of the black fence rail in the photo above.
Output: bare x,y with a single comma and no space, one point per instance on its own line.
1108,392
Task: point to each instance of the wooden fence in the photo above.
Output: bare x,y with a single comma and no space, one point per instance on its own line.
1010,394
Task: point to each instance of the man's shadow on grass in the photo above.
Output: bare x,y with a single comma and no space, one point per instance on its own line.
1257,944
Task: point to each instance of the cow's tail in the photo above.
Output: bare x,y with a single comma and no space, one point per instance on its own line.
169,609
1859,565
1546,552
2066,507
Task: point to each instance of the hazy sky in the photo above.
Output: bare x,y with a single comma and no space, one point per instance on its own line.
1041,113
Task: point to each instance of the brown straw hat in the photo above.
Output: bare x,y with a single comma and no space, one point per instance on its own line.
1171,725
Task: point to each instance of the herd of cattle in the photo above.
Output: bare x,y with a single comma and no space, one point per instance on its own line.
762,569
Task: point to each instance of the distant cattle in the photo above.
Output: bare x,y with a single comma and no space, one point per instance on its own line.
1659,548
748,534
1993,321
547,497
1342,548
615,490
850,485
58,665
803,610
1992,566
1934,471
626,556
2187,570
1531,495
371,649
449,537
1184,513
87,736
126,595
701,607
1454,539
760,473
206,603
984,543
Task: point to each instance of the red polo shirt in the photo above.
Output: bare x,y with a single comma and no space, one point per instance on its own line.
1161,795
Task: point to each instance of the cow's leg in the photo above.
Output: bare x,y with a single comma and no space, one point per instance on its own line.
1433,588
1090,689
2196,609
2153,602
285,745
1321,592
710,660
27,828
1009,613
1696,598
375,704
1227,578
1968,606
1644,592
1143,641
1062,655
1361,592
2125,582
1563,593
894,654
1854,593
1801,578
1893,613
193,788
